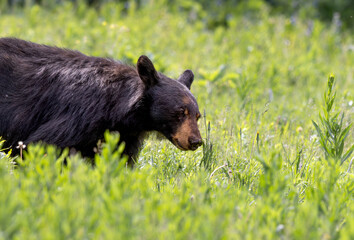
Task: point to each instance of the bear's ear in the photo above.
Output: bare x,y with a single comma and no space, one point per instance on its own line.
147,72
186,78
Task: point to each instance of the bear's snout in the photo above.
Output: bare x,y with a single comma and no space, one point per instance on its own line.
194,142
187,136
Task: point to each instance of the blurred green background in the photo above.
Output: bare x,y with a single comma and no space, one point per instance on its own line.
217,12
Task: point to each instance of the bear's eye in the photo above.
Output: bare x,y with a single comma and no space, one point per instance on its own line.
182,113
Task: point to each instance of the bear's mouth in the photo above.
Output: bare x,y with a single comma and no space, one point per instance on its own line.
193,148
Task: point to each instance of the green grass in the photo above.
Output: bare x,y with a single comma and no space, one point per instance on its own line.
262,173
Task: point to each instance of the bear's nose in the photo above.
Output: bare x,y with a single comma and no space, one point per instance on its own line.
195,143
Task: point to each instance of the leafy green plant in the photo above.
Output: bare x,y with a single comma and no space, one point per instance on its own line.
332,133
5,158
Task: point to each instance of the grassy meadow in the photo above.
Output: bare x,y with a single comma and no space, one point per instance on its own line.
264,171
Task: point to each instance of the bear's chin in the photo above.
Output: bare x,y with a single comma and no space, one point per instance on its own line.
161,136
178,144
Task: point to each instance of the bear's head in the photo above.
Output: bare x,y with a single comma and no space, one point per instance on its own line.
173,109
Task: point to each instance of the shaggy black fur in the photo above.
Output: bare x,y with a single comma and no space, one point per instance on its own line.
66,98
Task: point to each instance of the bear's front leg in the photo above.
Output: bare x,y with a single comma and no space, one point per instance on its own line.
133,144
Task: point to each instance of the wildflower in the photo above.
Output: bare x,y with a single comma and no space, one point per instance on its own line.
299,129
21,145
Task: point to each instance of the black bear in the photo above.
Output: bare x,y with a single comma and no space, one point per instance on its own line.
68,99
